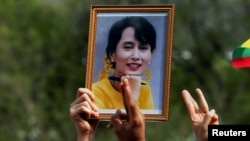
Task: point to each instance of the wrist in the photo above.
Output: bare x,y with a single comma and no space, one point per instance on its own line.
84,137
132,139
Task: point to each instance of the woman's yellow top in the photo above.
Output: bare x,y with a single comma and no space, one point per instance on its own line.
106,97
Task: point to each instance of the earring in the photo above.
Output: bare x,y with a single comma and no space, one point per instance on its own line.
107,68
147,75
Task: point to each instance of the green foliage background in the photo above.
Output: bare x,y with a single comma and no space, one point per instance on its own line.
43,45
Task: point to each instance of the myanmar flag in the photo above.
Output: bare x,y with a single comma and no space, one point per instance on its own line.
241,55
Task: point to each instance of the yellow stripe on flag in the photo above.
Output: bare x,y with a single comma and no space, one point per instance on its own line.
246,44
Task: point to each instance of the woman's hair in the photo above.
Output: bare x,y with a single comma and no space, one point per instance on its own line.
144,32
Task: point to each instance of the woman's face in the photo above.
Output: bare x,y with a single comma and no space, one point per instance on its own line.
131,56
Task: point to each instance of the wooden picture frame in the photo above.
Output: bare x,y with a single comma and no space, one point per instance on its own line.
102,17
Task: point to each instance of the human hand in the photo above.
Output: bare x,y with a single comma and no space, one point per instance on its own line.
200,117
129,126
84,114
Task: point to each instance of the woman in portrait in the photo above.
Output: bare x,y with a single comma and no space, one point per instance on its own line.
131,43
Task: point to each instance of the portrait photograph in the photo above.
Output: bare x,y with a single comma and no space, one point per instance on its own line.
133,42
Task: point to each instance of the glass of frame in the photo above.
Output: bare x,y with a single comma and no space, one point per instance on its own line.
153,38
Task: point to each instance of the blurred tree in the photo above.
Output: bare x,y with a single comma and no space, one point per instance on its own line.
39,73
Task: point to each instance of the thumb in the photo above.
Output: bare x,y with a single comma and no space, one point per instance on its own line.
209,117
116,120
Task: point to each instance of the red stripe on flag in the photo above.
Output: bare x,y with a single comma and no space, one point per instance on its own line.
241,62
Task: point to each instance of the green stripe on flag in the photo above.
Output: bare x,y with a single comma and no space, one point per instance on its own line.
241,52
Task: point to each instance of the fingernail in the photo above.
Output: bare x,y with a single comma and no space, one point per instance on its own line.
96,114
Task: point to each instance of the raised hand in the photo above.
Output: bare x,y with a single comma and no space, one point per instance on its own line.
129,126
200,117
84,114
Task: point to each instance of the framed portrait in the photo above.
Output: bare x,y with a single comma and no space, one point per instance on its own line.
134,41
